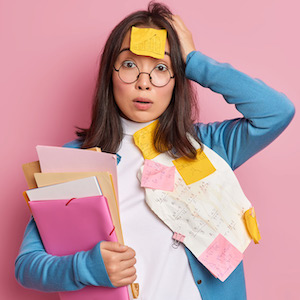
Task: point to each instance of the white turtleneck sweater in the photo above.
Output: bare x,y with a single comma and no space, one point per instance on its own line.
162,271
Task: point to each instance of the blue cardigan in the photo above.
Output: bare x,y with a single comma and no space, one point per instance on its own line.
266,114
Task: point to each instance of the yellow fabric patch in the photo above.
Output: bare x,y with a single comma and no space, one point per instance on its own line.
148,41
194,170
251,225
143,139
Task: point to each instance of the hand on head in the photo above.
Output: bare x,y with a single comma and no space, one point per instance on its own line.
185,36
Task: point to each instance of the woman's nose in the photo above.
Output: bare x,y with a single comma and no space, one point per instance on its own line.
143,82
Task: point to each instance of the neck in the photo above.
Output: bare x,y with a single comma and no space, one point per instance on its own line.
130,127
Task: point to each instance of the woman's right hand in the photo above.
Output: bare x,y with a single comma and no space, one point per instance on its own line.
185,36
119,262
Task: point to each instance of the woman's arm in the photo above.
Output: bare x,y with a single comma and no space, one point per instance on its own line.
36,269
266,111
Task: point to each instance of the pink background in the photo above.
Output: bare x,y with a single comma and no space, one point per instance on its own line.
49,59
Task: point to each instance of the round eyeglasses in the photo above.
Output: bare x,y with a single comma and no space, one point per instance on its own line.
129,72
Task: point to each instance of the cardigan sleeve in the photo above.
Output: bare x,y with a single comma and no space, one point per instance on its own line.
35,269
266,111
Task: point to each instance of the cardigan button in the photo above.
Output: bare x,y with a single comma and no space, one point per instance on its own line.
199,281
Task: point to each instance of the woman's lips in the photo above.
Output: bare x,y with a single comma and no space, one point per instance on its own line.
142,103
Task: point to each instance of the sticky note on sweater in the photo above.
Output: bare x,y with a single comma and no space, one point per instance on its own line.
251,225
194,170
221,258
143,139
158,176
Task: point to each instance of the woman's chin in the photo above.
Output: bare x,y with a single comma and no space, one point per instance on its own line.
139,119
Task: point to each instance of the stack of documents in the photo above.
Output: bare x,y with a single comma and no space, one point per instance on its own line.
73,199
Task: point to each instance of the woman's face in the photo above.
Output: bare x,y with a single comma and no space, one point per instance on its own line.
141,101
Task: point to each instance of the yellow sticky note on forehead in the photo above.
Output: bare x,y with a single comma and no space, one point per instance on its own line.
194,170
148,41
143,139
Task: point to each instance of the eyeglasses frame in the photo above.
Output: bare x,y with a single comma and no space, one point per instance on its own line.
137,78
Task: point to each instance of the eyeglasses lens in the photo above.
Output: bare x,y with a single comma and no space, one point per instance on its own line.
157,77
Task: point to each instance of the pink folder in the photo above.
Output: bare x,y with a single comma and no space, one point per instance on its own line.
67,227
61,159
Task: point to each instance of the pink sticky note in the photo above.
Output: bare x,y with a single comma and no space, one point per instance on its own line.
158,176
221,257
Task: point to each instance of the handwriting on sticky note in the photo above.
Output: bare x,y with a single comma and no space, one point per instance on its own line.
251,225
194,170
158,176
148,41
221,257
143,139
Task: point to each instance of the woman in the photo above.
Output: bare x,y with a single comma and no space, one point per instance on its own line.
131,93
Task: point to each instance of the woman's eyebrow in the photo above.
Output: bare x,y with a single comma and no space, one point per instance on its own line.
127,49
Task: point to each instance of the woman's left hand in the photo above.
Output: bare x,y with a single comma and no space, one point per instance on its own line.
185,36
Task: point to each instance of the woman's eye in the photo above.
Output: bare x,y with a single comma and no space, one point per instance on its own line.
161,67
128,64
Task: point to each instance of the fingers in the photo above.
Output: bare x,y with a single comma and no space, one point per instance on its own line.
127,264
127,273
185,36
113,246
178,22
128,254
126,281
119,262
124,277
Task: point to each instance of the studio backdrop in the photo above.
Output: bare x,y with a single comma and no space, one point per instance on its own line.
49,59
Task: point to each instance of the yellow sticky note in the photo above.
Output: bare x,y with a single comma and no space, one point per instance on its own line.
251,225
135,288
148,41
194,170
143,139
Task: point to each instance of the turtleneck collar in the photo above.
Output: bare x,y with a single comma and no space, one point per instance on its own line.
130,127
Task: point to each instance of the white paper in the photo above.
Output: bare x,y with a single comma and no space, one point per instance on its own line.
202,210
86,187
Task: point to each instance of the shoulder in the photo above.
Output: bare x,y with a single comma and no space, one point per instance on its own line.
73,144
211,135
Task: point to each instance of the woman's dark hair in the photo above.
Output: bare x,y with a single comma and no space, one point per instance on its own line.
171,133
